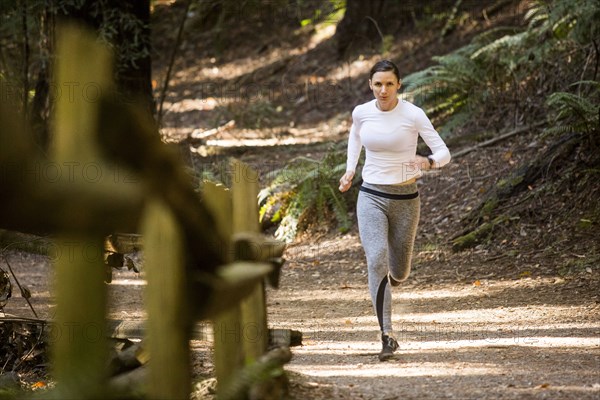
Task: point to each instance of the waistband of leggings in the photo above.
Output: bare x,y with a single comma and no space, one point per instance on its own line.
393,196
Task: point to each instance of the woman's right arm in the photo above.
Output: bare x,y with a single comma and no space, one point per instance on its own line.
354,148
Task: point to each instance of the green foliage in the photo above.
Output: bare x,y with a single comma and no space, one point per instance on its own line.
506,66
329,12
454,18
465,83
114,23
27,29
572,112
572,19
12,38
449,88
305,192
578,265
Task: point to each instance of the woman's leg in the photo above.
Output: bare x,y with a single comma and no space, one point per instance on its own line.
373,230
403,222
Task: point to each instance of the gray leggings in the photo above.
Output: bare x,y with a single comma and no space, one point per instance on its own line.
387,230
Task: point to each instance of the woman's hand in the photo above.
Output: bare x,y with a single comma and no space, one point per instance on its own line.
346,181
422,163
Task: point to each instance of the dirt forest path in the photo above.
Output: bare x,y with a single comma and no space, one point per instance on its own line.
479,324
459,339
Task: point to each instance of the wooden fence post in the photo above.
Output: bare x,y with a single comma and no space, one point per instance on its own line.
240,333
226,325
80,349
244,189
167,303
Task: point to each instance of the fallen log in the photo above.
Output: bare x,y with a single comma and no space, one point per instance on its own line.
201,135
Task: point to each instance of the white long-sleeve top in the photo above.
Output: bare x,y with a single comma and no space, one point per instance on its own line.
390,142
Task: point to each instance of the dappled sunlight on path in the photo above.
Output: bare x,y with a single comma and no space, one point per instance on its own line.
499,338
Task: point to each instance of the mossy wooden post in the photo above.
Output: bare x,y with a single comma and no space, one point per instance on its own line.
80,349
228,353
244,189
167,303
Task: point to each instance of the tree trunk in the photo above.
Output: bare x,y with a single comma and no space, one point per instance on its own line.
40,105
134,69
135,81
366,23
360,25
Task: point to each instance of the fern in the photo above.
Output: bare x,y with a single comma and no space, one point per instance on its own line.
502,45
504,62
446,89
574,19
574,112
303,193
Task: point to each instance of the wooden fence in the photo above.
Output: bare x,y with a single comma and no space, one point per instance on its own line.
203,255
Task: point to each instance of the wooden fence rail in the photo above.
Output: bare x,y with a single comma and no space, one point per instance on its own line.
204,256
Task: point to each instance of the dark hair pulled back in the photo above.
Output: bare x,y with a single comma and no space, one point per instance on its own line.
384,65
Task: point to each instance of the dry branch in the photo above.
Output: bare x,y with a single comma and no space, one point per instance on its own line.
497,139
201,135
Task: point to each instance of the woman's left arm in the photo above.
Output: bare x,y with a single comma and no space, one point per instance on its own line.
440,154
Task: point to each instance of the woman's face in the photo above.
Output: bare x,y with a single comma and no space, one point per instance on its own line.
385,86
